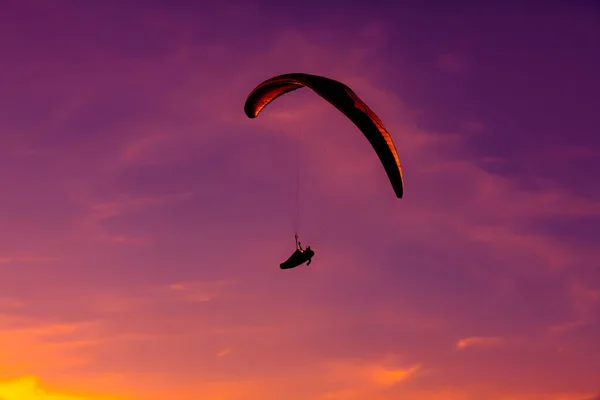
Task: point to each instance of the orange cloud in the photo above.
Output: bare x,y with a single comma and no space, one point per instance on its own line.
28,345
368,373
478,341
388,376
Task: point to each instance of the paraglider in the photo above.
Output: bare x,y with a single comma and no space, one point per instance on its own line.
299,257
345,100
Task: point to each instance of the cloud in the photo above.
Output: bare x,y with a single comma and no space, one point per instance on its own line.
567,326
224,352
474,126
584,298
356,379
32,345
149,300
11,303
478,342
125,239
386,377
97,213
199,291
19,260
452,62
110,209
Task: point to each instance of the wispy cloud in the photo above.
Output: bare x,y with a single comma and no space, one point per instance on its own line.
224,352
97,213
199,291
452,62
355,379
567,326
22,260
478,341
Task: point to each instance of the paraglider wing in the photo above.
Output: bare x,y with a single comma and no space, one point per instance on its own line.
345,100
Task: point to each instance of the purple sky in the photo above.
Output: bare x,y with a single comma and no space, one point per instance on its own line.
144,216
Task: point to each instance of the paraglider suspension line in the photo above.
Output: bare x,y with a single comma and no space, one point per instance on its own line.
297,219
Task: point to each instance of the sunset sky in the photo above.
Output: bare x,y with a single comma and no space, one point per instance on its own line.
143,216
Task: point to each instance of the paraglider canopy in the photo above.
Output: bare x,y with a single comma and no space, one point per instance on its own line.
345,100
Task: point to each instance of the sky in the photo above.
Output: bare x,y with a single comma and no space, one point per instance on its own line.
144,216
